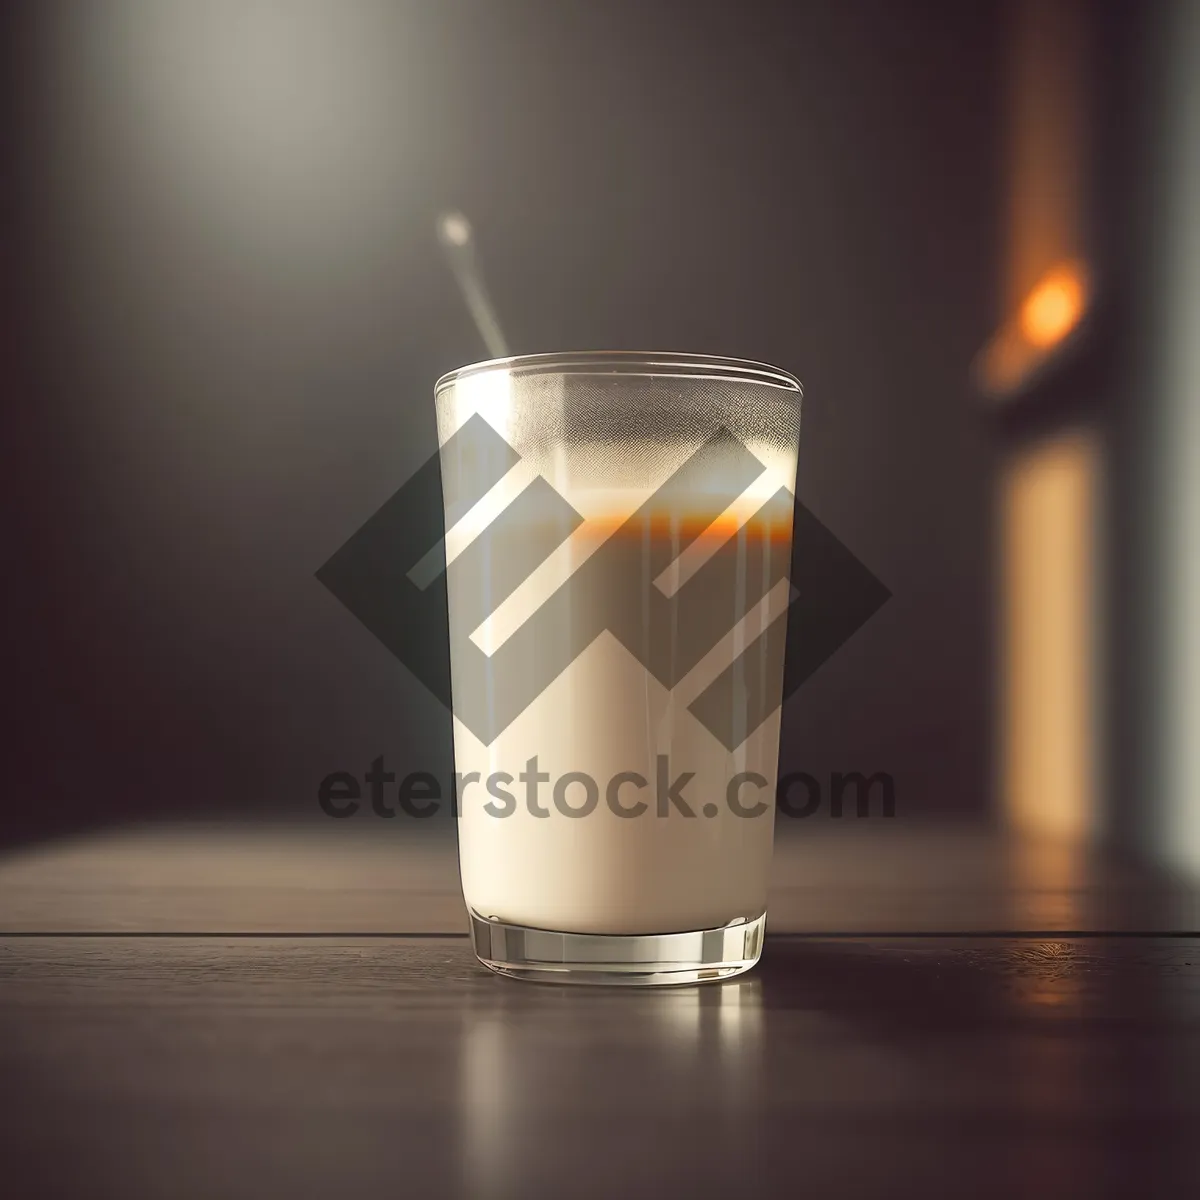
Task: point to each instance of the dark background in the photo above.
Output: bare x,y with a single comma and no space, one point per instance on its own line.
232,309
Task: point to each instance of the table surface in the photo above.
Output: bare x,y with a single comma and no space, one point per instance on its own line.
865,877
179,1017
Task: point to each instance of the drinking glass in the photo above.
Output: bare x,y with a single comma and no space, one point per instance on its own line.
617,552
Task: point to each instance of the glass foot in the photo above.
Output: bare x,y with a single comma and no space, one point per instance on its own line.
647,959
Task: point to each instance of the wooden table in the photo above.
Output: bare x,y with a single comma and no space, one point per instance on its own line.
179,1017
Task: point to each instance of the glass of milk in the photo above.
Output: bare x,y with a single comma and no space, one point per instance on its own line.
618,545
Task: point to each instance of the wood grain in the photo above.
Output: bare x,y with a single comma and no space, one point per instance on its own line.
135,1062
859,878
198,1067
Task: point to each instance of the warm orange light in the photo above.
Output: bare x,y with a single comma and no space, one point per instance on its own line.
1030,337
1055,306
1049,494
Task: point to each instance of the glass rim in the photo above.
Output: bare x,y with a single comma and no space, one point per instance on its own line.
669,365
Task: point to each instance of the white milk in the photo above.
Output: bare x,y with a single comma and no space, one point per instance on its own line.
657,872
661,871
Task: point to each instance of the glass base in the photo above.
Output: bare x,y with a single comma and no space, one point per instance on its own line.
628,960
